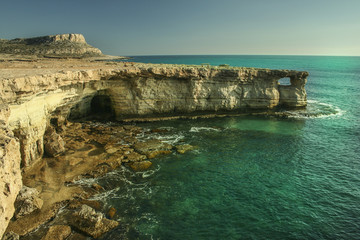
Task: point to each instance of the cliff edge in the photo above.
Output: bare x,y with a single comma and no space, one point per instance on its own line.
60,45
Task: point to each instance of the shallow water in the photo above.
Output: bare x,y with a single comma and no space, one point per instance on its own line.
253,177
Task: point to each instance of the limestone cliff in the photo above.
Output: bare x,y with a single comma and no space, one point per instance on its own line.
126,90
10,173
61,45
187,90
142,90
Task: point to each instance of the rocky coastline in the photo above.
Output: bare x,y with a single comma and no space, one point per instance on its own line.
47,141
88,149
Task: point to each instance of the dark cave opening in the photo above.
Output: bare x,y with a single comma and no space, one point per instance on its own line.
101,105
98,106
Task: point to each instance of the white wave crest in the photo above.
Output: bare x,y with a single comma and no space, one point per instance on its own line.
316,109
170,139
199,129
150,172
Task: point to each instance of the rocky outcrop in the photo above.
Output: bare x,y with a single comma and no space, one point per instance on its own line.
184,148
152,148
73,37
60,45
140,166
93,223
27,201
53,143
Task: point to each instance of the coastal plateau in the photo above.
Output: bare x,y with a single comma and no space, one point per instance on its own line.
40,98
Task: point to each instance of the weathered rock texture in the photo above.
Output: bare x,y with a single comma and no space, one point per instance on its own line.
10,174
63,45
92,223
11,236
124,90
179,90
27,201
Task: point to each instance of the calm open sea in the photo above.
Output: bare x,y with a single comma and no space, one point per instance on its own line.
253,177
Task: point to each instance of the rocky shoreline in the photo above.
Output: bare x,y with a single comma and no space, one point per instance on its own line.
82,150
44,148
53,204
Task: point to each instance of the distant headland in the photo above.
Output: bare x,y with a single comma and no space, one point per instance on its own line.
71,45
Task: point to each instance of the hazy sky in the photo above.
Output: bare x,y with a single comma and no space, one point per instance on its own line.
149,27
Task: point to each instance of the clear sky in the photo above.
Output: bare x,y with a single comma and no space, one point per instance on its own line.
161,27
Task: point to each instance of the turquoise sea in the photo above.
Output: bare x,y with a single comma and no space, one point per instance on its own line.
252,177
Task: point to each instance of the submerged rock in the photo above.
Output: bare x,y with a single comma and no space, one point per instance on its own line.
93,223
97,187
140,166
159,130
184,148
27,201
111,213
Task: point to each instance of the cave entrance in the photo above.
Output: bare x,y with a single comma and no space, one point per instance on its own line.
284,81
97,106
101,107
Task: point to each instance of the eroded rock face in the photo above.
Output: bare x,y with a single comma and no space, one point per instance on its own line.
189,90
10,173
11,236
72,37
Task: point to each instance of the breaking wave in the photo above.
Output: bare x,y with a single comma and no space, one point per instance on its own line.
200,129
316,109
